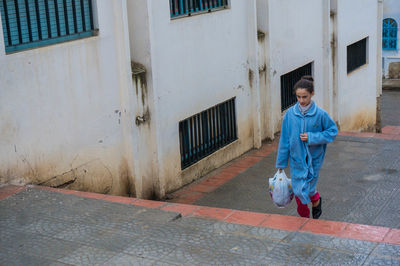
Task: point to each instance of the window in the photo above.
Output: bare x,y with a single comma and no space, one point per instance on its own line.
207,132
356,55
180,8
33,23
288,98
389,34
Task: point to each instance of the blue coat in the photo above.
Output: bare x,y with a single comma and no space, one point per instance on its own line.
306,158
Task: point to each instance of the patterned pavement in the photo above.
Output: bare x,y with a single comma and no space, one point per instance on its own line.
43,226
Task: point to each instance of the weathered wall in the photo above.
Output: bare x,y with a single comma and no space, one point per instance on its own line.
391,9
357,90
292,42
198,62
60,109
143,102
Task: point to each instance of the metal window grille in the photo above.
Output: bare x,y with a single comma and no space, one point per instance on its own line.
288,98
179,8
32,23
207,132
389,34
356,55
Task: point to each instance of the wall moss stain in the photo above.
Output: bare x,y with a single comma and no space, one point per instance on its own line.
94,176
139,77
364,120
127,179
251,77
260,36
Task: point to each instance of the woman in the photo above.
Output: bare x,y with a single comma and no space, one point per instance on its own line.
306,129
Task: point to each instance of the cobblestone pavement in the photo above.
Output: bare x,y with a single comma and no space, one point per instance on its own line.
40,227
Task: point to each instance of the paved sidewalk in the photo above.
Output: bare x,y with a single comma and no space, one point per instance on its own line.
359,226
44,226
359,181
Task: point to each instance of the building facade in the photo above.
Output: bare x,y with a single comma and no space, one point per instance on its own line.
142,97
390,39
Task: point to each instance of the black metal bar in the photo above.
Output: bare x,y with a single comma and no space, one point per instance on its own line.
228,129
185,138
28,19
7,23
18,21
83,16
181,143
191,155
234,119
219,129
57,17
74,16
91,14
39,26
214,129
207,129
223,131
66,17
200,137
196,141
230,120
46,5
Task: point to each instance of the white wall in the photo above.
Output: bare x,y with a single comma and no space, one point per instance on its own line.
357,90
60,108
198,62
295,36
391,9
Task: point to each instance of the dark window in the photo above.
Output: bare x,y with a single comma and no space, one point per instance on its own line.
207,132
33,23
356,55
288,98
179,8
389,34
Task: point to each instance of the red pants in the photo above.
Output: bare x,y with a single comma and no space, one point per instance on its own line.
302,209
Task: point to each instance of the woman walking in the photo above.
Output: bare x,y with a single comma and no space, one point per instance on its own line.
306,130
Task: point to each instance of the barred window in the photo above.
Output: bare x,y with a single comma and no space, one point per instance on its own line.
389,34
207,132
356,55
288,98
33,23
180,8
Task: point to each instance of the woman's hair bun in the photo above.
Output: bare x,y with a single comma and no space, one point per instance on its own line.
309,78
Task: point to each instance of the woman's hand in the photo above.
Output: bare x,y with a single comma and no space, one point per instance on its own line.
304,137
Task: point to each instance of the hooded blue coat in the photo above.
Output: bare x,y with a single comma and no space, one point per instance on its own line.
306,158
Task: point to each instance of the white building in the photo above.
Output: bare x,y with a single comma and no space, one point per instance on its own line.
390,37
148,95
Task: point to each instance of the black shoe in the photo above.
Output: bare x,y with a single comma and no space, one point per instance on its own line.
317,211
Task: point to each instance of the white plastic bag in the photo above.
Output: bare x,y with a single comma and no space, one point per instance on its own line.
280,189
